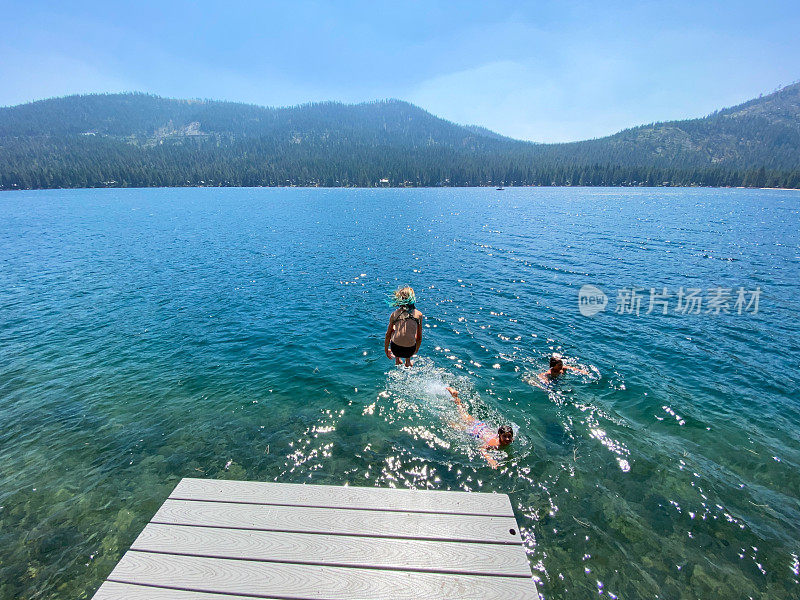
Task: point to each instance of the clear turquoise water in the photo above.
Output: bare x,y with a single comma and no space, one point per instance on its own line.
149,335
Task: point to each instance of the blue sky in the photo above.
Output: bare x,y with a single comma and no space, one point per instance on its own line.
543,71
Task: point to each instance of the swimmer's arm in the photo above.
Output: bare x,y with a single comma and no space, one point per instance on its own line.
492,462
419,335
577,370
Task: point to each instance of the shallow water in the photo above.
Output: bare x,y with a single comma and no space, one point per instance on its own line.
149,335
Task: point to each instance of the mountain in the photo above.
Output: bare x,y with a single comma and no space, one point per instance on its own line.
144,140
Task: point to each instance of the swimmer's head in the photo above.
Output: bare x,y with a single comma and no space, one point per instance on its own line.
403,296
556,363
505,435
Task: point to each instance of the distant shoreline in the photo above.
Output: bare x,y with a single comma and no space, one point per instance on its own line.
126,140
396,187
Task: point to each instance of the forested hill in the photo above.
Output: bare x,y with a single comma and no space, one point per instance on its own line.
143,140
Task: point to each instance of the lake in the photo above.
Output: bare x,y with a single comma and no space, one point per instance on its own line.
152,334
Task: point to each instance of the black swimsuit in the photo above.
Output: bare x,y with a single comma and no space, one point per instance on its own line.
405,351
402,351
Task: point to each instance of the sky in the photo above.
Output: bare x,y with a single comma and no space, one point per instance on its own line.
540,71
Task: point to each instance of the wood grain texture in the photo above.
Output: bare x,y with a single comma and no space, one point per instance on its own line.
112,590
430,526
310,582
329,496
336,550
229,540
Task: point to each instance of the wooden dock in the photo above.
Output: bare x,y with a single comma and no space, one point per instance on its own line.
237,540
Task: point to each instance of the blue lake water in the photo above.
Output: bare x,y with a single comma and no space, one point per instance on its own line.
150,335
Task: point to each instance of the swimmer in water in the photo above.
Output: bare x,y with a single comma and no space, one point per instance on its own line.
557,367
482,432
404,334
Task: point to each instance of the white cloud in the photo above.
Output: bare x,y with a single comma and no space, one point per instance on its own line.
528,100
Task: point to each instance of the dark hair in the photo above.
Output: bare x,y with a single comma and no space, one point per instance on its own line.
503,429
554,362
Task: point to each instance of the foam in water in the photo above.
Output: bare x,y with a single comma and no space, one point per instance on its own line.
423,388
421,391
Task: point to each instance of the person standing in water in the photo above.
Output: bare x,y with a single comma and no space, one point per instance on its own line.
404,334
482,431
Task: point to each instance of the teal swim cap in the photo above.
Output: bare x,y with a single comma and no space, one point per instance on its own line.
397,302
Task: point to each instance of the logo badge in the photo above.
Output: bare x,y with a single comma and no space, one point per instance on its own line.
591,300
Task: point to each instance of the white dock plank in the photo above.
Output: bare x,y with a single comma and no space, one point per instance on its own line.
310,582
221,540
430,526
336,550
112,590
330,496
